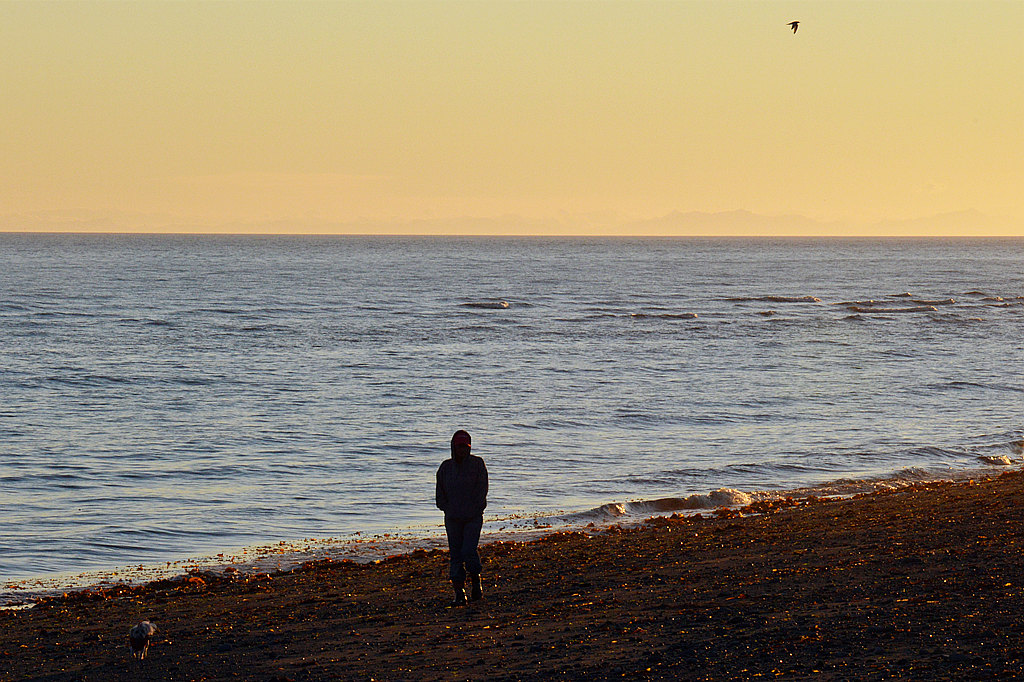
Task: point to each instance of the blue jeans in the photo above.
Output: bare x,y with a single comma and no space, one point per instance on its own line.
463,536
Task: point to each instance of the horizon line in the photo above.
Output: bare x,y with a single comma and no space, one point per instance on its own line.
501,235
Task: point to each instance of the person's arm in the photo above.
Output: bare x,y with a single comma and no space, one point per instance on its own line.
481,486
440,496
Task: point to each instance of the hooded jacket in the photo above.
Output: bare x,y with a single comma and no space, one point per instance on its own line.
462,488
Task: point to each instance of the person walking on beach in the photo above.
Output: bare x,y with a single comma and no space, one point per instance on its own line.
462,495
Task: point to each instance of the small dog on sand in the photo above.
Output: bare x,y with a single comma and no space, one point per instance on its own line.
138,638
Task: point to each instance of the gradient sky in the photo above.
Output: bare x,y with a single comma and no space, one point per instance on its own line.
150,115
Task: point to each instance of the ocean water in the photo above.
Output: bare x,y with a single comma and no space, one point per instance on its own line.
165,397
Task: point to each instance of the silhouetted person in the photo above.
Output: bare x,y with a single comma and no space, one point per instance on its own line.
462,496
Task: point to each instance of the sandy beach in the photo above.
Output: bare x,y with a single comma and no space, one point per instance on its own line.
925,583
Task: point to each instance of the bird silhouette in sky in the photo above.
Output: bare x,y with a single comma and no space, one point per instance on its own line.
794,25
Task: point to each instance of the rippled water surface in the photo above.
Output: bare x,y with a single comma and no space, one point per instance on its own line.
169,396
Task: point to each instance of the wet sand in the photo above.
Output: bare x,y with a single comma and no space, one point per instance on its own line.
925,583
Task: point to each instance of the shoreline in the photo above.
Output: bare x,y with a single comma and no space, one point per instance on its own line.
285,555
922,583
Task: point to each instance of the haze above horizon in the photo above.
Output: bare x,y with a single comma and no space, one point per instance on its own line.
513,117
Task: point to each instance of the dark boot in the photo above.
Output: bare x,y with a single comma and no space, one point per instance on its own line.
475,592
460,593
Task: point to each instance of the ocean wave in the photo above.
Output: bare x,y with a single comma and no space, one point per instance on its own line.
967,385
944,301
855,486
988,386
594,316
723,497
963,384
220,311
911,309
1012,444
869,303
955,319
638,418
487,305
88,380
841,487
65,313
194,381
774,299
664,316
555,423
269,327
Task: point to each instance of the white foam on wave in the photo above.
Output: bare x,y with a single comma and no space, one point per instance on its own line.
1000,460
723,497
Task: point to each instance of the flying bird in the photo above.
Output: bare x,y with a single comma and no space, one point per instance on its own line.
138,638
794,25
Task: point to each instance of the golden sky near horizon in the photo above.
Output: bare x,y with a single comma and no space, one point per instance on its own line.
149,114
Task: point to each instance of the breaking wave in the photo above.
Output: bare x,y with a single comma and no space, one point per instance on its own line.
723,497
991,458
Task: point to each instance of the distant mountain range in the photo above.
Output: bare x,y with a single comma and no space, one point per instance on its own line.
734,223
745,223
738,223
956,223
